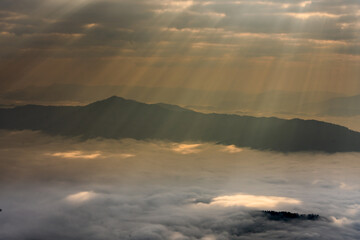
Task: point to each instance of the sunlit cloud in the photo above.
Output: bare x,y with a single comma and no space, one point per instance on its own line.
232,149
174,6
76,154
353,209
341,221
6,34
209,237
186,148
345,186
313,14
127,155
305,3
177,236
301,4
81,197
91,25
251,201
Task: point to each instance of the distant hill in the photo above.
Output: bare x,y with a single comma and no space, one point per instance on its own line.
230,101
341,106
117,117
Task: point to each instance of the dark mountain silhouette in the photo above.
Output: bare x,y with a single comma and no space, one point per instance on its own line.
288,216
116,117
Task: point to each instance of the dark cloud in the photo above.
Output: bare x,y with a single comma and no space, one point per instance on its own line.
147,43
143,22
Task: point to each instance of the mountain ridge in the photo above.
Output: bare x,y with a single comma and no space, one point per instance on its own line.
117,117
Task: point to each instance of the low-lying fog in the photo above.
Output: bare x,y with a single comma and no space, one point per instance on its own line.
58,188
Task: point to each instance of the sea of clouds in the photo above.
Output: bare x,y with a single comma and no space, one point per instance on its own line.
59,188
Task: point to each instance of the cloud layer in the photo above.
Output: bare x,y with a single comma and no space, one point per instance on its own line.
151,190
195,43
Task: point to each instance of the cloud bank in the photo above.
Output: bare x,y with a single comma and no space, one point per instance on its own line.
150,190
181,43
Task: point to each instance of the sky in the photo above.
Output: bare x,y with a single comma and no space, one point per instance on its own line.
243,46
63,188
